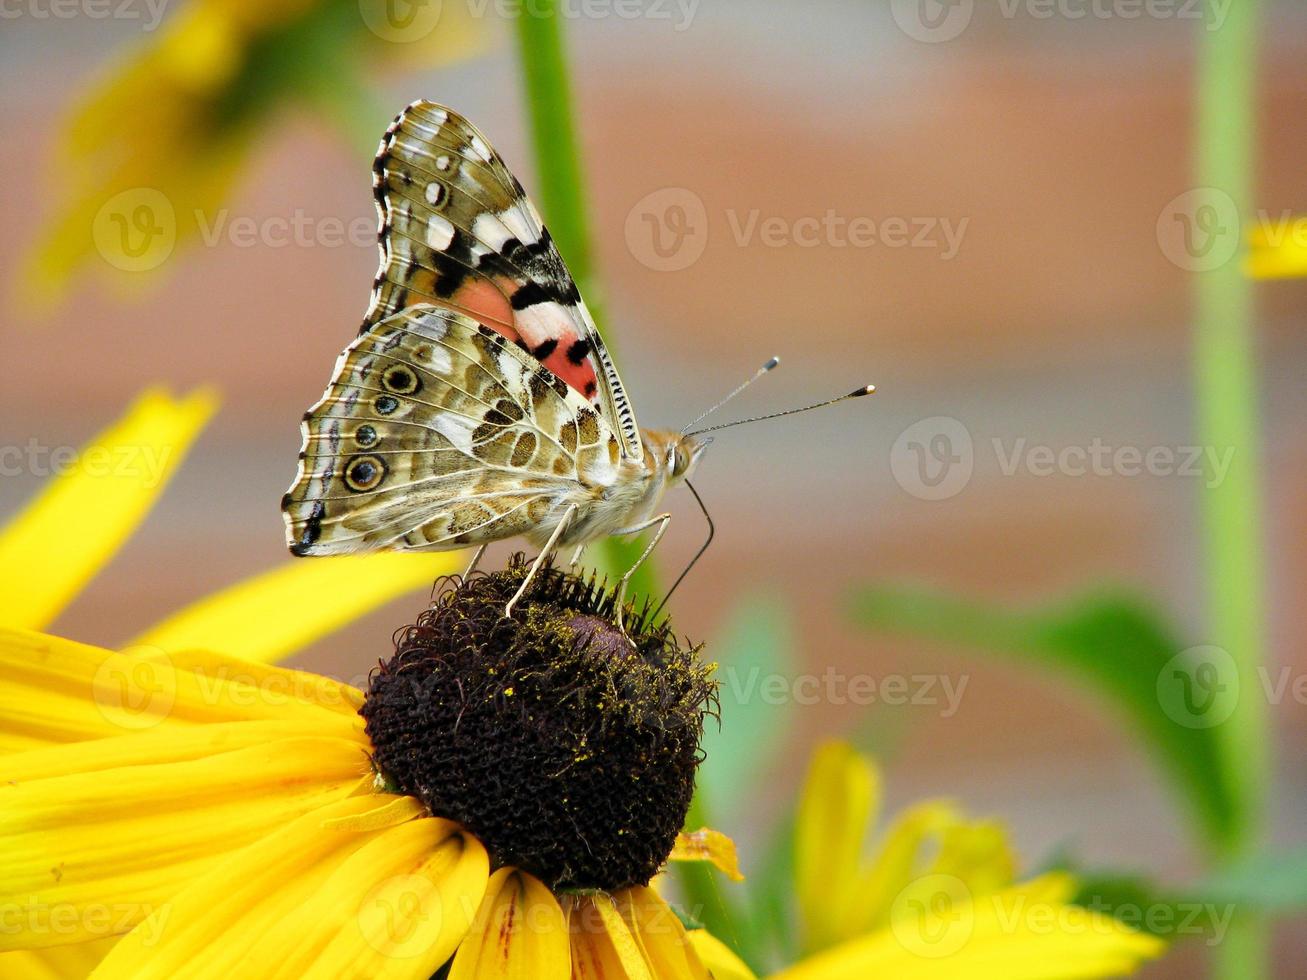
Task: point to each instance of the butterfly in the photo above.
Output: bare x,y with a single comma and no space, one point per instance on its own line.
478,402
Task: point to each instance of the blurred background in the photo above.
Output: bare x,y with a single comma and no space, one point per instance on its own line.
977,210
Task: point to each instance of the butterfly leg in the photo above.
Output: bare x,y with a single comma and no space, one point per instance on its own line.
576,556
662,520
540,558
476,560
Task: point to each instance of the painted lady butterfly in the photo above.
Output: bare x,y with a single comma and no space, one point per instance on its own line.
478,403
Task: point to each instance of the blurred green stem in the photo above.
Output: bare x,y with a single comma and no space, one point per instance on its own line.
1225,384
548,94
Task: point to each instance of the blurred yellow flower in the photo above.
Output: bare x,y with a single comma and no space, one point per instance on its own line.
152,150
88,509
841,896
937,902
1277,249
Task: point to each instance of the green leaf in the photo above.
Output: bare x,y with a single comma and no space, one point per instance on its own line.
1262,885
753,646
753,651
1118,646
1266,882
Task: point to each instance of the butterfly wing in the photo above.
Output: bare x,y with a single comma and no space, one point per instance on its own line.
458,231
435,433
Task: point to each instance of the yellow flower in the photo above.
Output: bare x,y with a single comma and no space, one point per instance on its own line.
152,150
1278,249
937,901
85,513
235,819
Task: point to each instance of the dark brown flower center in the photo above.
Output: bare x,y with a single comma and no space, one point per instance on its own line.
567,748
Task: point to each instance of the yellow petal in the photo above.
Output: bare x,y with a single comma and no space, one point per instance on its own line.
270,616
54,690
661,936
720,961
708,845
83,515
95,852
390,812
519,933
979,853
1277,249
1021,933
838,802
57,962
307,899
603,946
899,861
409,922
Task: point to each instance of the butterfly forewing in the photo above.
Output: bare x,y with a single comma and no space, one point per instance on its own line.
457,231
436,432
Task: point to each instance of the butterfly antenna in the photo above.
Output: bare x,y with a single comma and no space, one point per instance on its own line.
754,377
856,393
712,529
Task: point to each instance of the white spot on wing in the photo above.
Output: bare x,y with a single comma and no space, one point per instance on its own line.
457,429
489,229
443,162
439,233
435,191
479,147
541,322
517,223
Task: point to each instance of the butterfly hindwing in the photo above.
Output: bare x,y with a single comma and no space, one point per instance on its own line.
458,231
435,433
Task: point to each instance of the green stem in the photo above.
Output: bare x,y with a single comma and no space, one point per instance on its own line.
557,159
559,192
1225,384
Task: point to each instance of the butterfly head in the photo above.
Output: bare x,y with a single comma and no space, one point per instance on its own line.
683,456
675,456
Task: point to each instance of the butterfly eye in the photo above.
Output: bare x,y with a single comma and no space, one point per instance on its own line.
680,461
